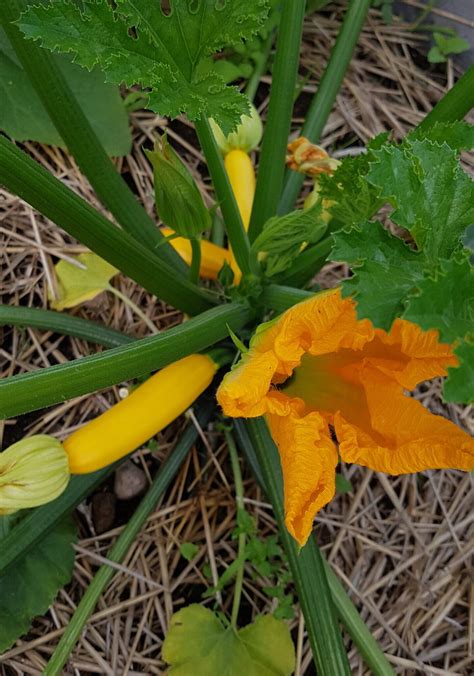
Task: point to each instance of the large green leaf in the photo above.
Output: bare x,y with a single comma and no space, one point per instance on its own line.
385,271
445,300
29,587
459,387
136,42
433,197
23,117
198,644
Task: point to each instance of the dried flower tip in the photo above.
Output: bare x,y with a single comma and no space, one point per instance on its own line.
308,158
246,137
32,472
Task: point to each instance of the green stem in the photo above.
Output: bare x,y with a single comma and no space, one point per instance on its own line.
455,104
357,629
281,298
195,260
21,175
233,223
260,67
81,140
239,496
345,609
120,549
48,320
306,564
217,232
325,96
308,263
44,387
272,157
128,301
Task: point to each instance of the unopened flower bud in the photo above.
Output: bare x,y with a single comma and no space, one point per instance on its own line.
308,158
246,137
32,472
178,201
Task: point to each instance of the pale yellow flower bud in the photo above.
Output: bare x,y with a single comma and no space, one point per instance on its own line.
32,472
246,137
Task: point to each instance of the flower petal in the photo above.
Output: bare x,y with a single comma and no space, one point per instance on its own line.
422,355
308,458
403,436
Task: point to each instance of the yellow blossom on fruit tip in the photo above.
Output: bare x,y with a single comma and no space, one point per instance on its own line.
308,158
317,366
32,472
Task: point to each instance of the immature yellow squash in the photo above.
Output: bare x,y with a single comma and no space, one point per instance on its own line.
141,415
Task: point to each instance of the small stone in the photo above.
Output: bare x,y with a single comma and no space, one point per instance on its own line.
130,481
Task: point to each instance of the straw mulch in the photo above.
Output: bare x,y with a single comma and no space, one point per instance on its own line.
402,546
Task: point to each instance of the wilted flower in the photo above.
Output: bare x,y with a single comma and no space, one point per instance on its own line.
317,366
308,158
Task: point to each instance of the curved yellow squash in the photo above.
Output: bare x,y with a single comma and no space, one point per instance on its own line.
147,410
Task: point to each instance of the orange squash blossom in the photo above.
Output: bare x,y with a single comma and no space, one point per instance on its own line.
317,366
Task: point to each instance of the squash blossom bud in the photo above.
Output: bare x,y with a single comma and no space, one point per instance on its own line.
178,201
32,472
246,137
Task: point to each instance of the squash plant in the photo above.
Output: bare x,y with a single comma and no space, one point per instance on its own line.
335,364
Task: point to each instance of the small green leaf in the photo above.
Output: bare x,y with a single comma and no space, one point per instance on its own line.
28,587
343,485
198,644
450,45
188,550
236,340
79,284
445,300
178,201
23,117
435,55
283,237
459,386
136,42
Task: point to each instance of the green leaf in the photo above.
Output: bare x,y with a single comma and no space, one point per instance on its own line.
80,283
198,644
385,271
432,196
354,199
23,117
188,550
282,237
28,588
445,300
178,201
135,42
450,45
458,135
459,386
435,55
343,485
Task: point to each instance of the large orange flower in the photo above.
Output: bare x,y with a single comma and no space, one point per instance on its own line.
318,365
